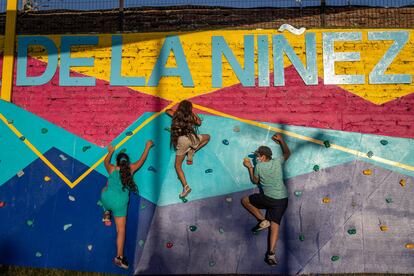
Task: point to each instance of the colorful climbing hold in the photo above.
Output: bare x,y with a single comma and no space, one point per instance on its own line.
225,142
143,206
301,237
351,231
409,245
169,245
71,198
30,222
90,247
334,258
384,142
44,130
388,200
193,228
326,200
221,230
85,148
22,138
129,133
209,171
327,144
67,226
20,173
152,169
2,204
64,158
384,228
403,182
141,243
370,154
229,199
316,168
211,263
38,254
367,172
46,178
236,129
167,129
10,121
298,193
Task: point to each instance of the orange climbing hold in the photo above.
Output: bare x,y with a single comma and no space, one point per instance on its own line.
409,246
367,172
326,200
403,182
46,178
384,228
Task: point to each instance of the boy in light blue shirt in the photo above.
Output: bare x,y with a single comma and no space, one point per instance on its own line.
274,197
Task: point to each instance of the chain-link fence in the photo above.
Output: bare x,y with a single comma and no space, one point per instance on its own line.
110,16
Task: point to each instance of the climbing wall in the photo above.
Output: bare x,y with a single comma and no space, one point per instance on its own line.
350,177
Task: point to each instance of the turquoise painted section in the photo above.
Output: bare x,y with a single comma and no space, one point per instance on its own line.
160,184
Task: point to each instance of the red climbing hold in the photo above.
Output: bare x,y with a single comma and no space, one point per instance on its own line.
2,204
169,245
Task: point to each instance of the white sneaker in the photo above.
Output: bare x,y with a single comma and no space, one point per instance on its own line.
261,225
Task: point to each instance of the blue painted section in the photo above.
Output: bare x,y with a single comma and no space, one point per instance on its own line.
372,3
47,205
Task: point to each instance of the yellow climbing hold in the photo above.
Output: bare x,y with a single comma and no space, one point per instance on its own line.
384,228
46,178
409,246
403,182
246,159
326,200
367,172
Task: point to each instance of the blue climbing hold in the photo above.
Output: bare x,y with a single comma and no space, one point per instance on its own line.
209,171
152,169
128,133
226,142
370,154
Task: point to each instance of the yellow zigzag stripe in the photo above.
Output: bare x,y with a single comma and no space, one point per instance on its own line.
306,138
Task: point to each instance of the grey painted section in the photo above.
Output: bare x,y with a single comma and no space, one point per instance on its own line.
357,201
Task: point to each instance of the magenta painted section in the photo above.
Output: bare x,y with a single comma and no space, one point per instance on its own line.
320,106
97,114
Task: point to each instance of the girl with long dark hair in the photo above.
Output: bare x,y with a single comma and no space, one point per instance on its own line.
115,195
184,139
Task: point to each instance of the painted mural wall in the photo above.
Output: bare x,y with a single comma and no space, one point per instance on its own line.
343,99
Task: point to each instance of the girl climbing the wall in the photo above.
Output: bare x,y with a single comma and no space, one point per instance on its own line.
115,195
184,139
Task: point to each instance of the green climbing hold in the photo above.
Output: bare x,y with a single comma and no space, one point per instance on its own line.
99,203
327,144
167,129
193,228
143,206
226,142
256,233
334,258
316,168
67,226
184,200
10,121
123,150
221,230
44,130
351,231
30,223
301,237
212,263
298,193
370,154
38,254
388,200
128,133
22,138
209,171
141,243
85,148
384,142
152,169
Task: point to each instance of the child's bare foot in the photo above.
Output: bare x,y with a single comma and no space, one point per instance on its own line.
190,154
185,192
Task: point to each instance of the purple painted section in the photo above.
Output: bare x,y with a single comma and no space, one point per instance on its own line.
357,201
